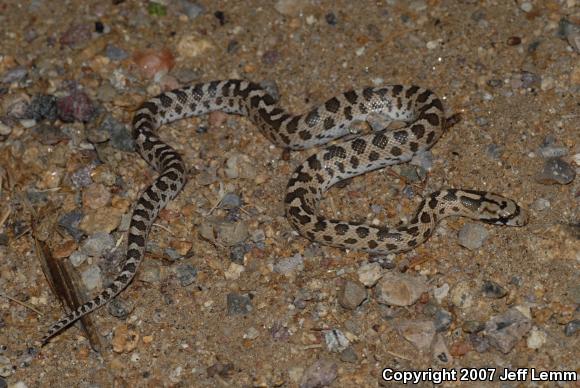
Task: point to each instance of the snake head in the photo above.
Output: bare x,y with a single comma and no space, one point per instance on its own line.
503,211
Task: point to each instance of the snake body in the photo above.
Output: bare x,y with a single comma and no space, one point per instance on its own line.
420,108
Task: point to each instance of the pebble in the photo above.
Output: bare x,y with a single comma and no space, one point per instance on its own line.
77,258
226,233
571,32
572,328
526,6
440,293
472,327
42,107
418,332
115,53
105,220
550,149
119,309
76,35
472,236
238,304
479,342
77,106
149,273
3,383
92,278
482,121
230,201
186,274
442,320
494,151
119,136
330,18
320,374
234,271
289,265
369,274
96,196
290,7
124,340
536,339
237,253
16,74
541,204
6,367
556,171
5,129
154,63
191,9
352,294
251,334
82,177
70,222
493,290
191,46
270,57
462,295
336,341
399,289
440,351
98,244
505,330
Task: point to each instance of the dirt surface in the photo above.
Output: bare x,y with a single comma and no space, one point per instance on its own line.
233,296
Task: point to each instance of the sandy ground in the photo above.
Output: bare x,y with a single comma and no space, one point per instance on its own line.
510,68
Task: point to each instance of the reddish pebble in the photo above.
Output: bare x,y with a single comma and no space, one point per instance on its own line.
459,349
151,61
216,119
77,106
514,40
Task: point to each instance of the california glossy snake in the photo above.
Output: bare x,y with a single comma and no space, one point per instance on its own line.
420,108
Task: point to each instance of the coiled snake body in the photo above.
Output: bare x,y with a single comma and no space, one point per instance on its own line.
420,108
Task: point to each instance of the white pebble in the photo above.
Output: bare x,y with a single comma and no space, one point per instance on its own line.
526,6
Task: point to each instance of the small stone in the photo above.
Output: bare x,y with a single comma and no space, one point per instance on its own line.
96,196
369,274
536,339
120,137
494,151
16,74
330,18
419,333
472,236
3,383
76,35
336,341
191,46
320,374
118,309
351,294
186,274
472,327
97,244
64,250
270,57
459,349
115,53
234,271
289,265
399,289
479,343
440,351
105,220
42,107
505,330
230,201
238,304
526,6
442,320
348,355
77,106
541,204
482,121
572,328
251,334
556,171
70,222
290,7
92,277
192,10
153,63
462,295
550,148
440,293
124,340
514,41
493,290
149,273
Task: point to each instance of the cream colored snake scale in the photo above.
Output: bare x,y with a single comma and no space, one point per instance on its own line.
420,108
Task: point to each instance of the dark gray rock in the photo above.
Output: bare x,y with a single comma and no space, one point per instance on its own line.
556,171
238,304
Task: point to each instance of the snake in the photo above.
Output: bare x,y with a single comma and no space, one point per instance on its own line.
419,108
